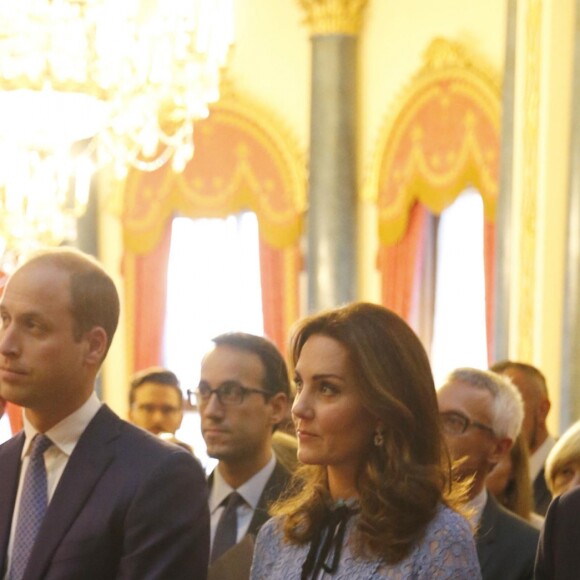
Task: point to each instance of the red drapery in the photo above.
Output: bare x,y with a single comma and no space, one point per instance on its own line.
243,160
397,265
147,275
443,137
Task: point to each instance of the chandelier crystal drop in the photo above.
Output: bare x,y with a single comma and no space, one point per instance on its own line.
90,83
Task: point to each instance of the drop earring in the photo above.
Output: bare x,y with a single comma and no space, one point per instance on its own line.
379,438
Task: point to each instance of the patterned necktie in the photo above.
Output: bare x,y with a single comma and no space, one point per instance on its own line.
33,502
227,529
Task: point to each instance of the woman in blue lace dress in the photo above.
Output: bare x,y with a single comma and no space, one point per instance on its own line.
373,498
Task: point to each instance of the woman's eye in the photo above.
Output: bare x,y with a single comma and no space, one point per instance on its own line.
328,389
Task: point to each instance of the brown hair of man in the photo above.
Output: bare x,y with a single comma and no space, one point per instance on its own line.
94,297
157,375
276,379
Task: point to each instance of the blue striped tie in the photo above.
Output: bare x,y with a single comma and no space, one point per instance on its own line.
33,502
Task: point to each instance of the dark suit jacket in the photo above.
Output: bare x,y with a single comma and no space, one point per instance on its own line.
559,549
128,506
542,495
506,544
232,565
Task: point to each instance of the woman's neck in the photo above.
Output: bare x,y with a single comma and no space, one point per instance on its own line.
342,483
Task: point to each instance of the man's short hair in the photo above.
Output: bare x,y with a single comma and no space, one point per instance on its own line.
276,378
157,375
529,371
507,412
94,298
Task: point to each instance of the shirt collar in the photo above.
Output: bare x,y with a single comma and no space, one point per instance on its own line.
477,505
65,434
250,491
538,458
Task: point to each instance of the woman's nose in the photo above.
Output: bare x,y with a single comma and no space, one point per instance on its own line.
301,407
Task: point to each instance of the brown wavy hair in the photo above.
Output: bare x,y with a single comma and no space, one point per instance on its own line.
402,483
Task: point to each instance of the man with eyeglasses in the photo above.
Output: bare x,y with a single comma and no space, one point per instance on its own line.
481,416
243,394
156,403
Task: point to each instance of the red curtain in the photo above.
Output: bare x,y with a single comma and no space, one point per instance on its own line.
398,265
279,270
489,263
149,273
14,413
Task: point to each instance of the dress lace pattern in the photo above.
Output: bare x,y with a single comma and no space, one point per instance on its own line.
447,552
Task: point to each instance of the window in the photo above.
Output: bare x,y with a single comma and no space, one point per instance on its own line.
213,286
459,329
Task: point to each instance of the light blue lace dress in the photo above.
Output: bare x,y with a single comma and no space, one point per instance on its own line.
446,552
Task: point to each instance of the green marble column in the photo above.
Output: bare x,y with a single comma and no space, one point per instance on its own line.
332,208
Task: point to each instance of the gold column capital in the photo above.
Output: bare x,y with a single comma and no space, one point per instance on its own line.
333,16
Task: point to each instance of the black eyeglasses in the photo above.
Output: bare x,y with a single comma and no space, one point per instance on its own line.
455,423
228,393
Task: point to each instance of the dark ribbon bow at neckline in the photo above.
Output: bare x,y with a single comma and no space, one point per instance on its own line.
328,541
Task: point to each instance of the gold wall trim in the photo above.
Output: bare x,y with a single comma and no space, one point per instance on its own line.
333,16
442,134
278,199
530,172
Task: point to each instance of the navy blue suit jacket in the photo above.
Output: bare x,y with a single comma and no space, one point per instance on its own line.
128,506
559,549
506,544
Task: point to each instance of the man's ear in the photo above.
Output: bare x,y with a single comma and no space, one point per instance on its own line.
501,448
544,409
96,342
279,403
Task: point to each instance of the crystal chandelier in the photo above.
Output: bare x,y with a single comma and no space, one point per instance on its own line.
89,83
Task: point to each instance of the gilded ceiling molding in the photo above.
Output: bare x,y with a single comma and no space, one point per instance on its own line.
442,134
530,172
333,16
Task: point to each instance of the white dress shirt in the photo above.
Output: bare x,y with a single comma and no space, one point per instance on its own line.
64,436
539,456
250,491
477,505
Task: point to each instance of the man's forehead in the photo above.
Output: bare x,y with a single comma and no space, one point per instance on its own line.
226,360
36,286
154,388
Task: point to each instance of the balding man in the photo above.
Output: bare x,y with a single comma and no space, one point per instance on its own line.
531,384
84,494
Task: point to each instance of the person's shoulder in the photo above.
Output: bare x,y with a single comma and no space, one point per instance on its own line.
13,444
569,501
513,523
272,529
449,519
134,447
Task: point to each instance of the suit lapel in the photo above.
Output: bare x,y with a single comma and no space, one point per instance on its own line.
10,454
272,490
486,533
85,467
